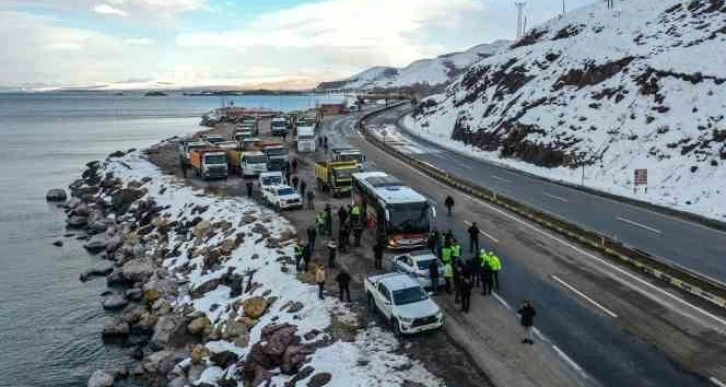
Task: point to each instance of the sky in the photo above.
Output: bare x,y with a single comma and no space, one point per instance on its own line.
293,43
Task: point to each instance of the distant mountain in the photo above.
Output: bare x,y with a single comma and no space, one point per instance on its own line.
642,85
424,74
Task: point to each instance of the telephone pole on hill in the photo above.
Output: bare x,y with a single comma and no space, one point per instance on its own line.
520,18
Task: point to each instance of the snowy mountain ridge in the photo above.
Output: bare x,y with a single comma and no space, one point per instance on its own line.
424,73
638,86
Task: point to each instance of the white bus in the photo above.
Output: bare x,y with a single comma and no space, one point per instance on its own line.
401,216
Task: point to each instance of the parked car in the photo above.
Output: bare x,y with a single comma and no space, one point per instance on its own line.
416,265
403,303
282,197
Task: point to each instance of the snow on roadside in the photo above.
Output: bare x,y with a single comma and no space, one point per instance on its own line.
265,252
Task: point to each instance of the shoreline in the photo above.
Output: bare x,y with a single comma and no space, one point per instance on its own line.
199,280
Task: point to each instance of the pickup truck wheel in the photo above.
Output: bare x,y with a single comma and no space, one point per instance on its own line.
396,328
371,303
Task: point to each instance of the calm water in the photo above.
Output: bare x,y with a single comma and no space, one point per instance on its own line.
50,322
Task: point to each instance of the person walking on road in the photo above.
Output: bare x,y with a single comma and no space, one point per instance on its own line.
465,292
473,237
343,280
328,219
294,165
496,265
449,203
310,197
320,280
434,274
250,185
526,315
378,254
312,235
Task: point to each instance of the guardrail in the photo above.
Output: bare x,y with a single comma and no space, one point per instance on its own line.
667,272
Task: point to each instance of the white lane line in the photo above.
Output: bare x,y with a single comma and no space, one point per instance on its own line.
636,224
438,156
467,167
583,295
555,197
501,179
515,174
716,382
595,258
501,301
539,334
569,361
495,240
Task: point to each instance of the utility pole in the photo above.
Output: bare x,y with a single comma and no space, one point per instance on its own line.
520,18
563,8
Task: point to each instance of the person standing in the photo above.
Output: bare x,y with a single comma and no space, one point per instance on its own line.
343,280
486,278
526,315
295,181
473,237
378,254
465,292
328,219
342,215
294,165
312,235
455,250
307,254
249,189
344,237
449,203
310,198
303,185
287,176
458,277
357,232
496,265
320,279
448,276
332,247
474,269
183,165
434,275
298,253
431,241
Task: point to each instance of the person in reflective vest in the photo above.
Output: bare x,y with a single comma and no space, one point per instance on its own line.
448,276
298,254
455,250
446,254
355,213
496,265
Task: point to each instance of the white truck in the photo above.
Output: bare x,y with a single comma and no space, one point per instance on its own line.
403,303
269,179
282,197
305,139
253,163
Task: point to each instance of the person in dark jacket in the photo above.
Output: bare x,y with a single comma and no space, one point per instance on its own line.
431,241
295,181
303,185
473,238
465,292
357,232
378,254
306,255
434,274
487,280
344,237
183,165
343,280
294,165
250,185
342,215
449,203
526,315
312,235
473,266
332,247
328,219
458,278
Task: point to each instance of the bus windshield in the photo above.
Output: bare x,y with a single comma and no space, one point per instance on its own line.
409,218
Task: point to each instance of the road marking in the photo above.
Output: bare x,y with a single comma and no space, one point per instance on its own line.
586,254
583,295
569,361
495,240
636,224
717,382
467,167
539,334
555,197
501,179
501,301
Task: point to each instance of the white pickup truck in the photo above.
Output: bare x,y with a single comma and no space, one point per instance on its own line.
282,197
403,302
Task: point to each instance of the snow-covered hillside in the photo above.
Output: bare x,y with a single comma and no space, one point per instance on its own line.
642,85
428,73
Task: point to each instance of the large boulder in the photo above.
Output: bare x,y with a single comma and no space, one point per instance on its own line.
56,195
101,271
123,198
254,307
169,330
76,221
293,357
100,379
320,379
96,244
97,227
223,359
200,326
202,229
161,362
280,339
114,302
115,328
137,270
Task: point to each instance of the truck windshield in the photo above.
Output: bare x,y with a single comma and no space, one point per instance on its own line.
350,157
260,159
409,218
285,191
272,180
409,295
343,173
215,159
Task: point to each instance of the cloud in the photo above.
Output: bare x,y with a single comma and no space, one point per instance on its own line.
105,9
139,41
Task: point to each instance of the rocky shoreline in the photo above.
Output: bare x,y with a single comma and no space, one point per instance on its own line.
202,290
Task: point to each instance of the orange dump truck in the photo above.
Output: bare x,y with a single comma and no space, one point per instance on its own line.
209,163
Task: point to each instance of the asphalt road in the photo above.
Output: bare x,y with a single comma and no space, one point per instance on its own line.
611,326
691,245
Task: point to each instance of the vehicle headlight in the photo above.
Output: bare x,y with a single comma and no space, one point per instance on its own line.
440,315
406,320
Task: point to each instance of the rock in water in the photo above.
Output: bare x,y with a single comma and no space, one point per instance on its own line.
56,195
114,302
100,379
96,244
76,221
115,328
58,243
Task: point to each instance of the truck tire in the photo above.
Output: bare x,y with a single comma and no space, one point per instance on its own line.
370,302
396,328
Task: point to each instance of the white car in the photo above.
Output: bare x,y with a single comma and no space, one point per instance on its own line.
403,302
282,197
416,265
